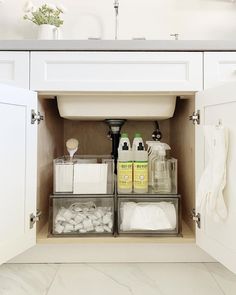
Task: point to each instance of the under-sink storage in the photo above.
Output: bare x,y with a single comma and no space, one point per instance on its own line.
145,216
177,132
83,175
82,216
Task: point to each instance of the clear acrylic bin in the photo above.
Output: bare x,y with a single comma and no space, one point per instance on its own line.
149,216
86,216
83,175
173,163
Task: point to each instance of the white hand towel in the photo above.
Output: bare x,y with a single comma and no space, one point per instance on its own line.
210,199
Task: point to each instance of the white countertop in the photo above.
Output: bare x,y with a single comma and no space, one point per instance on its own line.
119,45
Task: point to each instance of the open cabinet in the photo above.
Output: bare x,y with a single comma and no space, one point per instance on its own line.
20,192
18,171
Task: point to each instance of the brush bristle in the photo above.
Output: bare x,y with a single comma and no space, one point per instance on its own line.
72,143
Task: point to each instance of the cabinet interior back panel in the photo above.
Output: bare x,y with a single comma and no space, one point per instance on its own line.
92,135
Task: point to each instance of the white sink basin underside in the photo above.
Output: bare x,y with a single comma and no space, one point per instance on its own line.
132,106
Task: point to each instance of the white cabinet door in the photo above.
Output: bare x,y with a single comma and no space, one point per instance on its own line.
14,68
18,161
218,238
116,71
219,68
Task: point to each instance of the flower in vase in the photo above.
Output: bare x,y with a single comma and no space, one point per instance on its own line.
47,14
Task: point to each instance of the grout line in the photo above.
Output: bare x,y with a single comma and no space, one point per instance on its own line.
53,279
216,281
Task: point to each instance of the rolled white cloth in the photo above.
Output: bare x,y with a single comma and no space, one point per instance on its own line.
148,216
210,199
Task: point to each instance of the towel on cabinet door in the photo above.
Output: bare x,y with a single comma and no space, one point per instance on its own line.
148,216
210,199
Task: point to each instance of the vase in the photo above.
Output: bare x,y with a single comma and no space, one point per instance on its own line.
48,32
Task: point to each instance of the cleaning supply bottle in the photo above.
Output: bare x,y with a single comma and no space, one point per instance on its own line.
124,138
125,169
153,148
161,170
140,167
137,140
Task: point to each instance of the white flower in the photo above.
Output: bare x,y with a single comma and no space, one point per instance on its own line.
61,8
29,7
51,6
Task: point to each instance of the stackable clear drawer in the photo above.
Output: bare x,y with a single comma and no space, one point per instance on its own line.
83,175
82,216
145,216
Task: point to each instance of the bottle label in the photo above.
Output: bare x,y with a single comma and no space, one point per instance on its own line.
140,175
125,173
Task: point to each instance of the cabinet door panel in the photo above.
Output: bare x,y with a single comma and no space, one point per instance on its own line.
116,71
219,68
218,238
18,150
14,68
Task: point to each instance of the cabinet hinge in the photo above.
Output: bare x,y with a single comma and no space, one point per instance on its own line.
196,218
195,117
34,219
36,117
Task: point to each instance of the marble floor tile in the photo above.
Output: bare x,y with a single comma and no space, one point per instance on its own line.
226,280
122,279
138,279
181,278
26,279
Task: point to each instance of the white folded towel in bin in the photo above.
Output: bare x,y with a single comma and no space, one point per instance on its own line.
210,199
148,216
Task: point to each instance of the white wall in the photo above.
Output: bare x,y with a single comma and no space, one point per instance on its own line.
153,19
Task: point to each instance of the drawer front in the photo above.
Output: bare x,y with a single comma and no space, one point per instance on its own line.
82,216
149,216
116,71
14,68
219,67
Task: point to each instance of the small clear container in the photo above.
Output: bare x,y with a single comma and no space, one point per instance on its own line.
83,175
82,216
149,216
164,175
